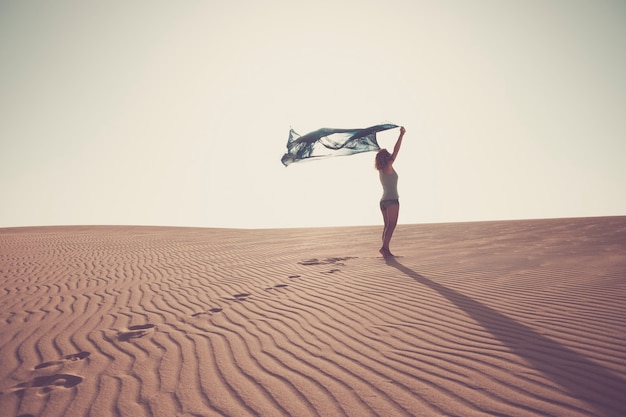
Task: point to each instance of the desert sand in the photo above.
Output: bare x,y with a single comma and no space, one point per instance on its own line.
505,318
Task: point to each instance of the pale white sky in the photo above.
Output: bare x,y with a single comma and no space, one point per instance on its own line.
178,112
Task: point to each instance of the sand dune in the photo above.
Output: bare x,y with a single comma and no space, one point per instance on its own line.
512,318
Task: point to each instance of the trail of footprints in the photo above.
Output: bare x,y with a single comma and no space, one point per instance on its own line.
309,262
46,383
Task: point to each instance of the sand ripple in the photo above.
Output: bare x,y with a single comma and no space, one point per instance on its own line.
522,318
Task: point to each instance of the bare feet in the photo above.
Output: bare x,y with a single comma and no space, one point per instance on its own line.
386,253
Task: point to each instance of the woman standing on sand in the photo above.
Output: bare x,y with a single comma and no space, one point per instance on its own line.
389,202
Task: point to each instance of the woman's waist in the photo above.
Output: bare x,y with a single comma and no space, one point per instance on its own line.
389,195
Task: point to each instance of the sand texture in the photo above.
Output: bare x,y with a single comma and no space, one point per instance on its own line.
510,318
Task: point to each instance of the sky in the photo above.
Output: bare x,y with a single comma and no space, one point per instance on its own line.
177,113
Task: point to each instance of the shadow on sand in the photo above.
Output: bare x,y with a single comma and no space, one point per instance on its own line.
582,378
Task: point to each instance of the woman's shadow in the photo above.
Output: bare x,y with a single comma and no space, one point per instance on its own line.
582,378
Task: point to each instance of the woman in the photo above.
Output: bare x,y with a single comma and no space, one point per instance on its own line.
389,203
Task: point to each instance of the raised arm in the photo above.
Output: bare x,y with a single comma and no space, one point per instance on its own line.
396,148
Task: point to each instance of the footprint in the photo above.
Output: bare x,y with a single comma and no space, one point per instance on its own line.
135,332
213,310
141,327
48,383
68,358
335,261
313,261
126,336
294,276
241,297
276,286
332,271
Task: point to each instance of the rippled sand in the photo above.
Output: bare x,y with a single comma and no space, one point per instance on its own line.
511,318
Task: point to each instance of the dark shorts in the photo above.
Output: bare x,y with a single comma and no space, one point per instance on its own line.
384,204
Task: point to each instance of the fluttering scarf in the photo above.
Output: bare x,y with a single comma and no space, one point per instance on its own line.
326,142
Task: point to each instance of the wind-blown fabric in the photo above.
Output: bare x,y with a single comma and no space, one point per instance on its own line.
327,142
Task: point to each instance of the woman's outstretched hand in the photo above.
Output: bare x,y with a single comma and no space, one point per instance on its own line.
402,130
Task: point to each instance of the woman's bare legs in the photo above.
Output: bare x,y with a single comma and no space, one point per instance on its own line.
390,216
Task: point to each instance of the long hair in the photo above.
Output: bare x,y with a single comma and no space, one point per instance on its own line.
383,157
